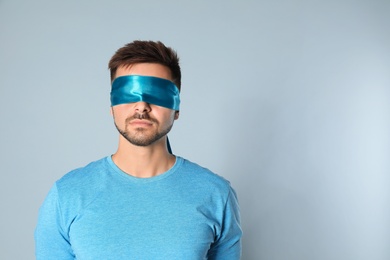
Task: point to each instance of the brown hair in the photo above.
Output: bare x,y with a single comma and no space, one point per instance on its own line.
146,52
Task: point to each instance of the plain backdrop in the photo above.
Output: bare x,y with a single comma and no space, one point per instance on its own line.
288,99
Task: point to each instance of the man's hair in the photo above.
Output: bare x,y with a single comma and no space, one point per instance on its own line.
146,52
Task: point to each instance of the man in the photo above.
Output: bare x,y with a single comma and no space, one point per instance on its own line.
143,202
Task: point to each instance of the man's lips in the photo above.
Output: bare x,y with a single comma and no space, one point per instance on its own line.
143,122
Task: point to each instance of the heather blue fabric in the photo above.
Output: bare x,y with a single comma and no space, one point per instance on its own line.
100,212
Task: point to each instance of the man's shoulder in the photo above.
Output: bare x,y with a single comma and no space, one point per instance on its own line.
88,174
200,174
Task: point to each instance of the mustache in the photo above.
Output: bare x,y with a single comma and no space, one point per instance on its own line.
141,116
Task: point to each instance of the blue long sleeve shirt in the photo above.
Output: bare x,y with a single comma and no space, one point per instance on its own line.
100,212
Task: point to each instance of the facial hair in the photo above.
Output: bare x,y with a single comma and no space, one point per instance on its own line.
139,136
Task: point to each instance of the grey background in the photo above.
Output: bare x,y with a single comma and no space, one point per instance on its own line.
289,100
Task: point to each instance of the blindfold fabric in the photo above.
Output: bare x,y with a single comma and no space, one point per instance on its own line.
153,90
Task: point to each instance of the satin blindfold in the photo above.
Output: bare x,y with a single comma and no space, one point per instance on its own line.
153,90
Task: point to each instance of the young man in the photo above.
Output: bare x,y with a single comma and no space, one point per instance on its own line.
142,202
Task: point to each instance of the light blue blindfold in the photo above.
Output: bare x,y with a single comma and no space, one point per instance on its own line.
153,90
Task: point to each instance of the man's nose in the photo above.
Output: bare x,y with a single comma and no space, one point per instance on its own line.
142,107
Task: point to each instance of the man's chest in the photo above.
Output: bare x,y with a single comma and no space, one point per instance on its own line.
147,228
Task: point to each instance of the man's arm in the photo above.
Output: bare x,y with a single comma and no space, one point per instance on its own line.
228,244
51,240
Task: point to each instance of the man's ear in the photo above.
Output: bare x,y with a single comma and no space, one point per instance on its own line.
177,114
111,111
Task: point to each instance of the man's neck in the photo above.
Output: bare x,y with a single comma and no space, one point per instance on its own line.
143,161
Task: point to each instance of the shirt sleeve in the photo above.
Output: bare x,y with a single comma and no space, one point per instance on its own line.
51,238
228,244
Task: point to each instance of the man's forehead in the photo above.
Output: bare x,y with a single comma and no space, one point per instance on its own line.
144,69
